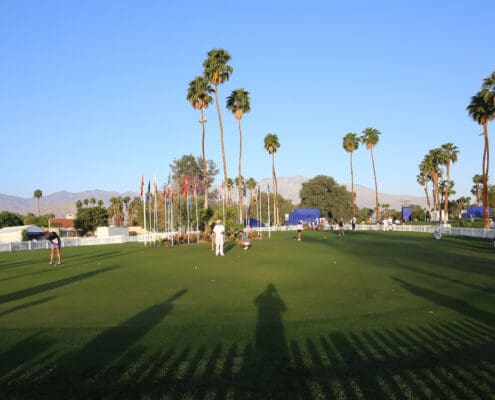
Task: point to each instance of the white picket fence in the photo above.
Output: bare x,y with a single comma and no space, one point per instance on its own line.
153,237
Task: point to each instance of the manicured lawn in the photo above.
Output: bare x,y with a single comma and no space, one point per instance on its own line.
368,315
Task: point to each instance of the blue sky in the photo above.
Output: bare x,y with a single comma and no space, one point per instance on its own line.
92,94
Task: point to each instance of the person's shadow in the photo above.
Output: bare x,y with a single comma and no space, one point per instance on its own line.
271,371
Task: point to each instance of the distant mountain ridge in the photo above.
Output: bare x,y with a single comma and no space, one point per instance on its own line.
63,203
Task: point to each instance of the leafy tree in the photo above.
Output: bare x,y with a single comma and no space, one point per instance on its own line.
323,192
189,165
37,195
272,144
482,110
89,218
217,71
198,95
370,138
239,103
8,218
351,144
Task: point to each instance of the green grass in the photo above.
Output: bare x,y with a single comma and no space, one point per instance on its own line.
368,315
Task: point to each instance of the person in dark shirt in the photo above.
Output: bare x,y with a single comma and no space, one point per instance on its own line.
55,244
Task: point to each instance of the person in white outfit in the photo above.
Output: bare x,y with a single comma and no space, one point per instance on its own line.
219,232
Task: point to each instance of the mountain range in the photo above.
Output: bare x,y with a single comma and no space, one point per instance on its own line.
63,203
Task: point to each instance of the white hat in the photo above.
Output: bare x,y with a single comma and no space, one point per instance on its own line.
218,221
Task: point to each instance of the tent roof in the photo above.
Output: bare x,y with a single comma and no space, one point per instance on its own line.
29,228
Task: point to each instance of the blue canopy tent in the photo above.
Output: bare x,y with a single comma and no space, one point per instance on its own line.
254,223
475,212
305,215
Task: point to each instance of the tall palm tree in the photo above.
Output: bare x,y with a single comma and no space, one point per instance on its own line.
272,144
449,156
351,144
370,138
422,179
217,71
198,95
37,194
239,103
482,110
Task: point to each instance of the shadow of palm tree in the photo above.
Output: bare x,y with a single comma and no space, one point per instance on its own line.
20,294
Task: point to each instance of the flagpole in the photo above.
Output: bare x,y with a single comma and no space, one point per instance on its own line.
223,206
268,207
144,207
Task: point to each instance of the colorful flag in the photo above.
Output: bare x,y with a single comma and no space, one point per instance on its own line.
186,186
142,186
148,192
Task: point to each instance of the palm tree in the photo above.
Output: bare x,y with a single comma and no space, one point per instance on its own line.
431,164
422,179
478,185
251,185
272,144
449,155
229,184
198,95
370,138
37,194
350,144
126,200
239,103
482,110
216,71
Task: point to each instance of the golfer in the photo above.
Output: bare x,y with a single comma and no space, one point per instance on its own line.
219,232
55,244
244,242
299,228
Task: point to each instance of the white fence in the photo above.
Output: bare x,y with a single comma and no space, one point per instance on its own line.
152,237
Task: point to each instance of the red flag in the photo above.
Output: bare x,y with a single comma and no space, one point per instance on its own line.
186,185
142,186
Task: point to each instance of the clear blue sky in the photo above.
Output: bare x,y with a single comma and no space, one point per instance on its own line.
92,93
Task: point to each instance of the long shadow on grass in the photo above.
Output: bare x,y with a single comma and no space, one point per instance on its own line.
20,294
26,305
453,303
268,366
403,265
105,352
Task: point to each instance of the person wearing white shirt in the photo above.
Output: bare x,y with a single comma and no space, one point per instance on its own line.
219,232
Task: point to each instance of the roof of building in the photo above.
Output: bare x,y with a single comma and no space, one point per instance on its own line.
62,222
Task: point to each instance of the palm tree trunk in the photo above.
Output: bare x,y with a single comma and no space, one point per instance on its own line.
275,192
239,178
485,166
205,181
447,188
428,204
352,189
377,205
224,161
